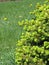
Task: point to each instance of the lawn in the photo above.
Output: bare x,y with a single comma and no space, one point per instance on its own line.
9,30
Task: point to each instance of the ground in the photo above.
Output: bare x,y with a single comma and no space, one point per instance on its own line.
10,14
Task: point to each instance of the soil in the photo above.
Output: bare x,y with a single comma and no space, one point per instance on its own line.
8,0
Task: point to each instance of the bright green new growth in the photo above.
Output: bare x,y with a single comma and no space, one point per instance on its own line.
33,47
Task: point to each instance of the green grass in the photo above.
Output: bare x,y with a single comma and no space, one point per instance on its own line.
9,30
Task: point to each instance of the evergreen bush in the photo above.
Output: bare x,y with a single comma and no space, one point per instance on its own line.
33,46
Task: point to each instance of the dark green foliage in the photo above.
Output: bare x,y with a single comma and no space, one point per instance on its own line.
33,47
12,0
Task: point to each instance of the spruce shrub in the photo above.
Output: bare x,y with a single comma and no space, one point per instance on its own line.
33,46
